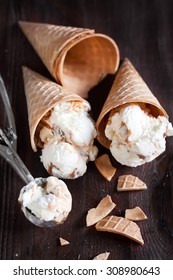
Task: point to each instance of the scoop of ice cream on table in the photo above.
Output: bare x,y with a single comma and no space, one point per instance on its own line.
61,125
132,123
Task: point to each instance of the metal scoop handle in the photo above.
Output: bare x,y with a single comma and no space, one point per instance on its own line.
10,155
11,130
8,139
8,144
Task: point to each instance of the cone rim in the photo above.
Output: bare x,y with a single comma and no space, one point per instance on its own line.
58,66
64,51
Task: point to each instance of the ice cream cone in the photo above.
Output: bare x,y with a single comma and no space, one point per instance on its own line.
78,58
42,95
128,87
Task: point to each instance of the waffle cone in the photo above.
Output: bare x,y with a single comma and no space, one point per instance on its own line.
121,226
105,206
128,87
135,214
42,95
130,183
78,58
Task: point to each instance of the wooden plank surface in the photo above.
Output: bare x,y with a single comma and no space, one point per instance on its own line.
143,32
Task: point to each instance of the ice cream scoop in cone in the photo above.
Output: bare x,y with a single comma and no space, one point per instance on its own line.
78,58
128,88
42,95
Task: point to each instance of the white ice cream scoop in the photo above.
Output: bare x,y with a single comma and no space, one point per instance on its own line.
68,136
73,120
137,137
63,160
51,203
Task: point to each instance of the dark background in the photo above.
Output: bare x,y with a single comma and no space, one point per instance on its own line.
143,31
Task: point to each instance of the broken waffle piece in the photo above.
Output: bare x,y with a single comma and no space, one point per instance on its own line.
63,241
105,166
130,183
102,256
104,207
121,226
135,214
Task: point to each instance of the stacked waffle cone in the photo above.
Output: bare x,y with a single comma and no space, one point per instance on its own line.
128,87
77,58
42,95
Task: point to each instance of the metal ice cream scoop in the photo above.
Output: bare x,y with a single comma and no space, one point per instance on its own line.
8,144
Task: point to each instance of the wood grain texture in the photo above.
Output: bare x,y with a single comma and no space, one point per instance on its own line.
143,32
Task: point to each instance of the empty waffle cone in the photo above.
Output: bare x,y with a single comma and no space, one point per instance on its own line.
122,226
42,95
128,87
78,58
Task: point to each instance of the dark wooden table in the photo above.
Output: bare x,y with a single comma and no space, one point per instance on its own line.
143,32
